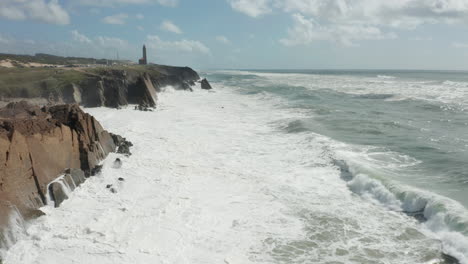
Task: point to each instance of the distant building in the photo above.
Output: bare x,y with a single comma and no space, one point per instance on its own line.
143,61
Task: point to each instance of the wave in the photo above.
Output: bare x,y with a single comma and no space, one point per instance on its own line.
375,96
455,84
443,218
386,77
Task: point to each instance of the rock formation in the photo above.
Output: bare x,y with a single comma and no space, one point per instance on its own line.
205,84
37,145
101,86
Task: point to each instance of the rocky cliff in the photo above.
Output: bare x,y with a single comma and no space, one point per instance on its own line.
95,86
37,145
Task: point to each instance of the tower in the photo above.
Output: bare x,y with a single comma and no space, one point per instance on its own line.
143,61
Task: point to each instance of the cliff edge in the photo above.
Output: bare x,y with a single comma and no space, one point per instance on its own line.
109,86
37,145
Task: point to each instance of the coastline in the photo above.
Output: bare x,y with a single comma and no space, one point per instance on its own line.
193,184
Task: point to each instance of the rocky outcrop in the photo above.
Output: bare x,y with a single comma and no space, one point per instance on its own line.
37,145
205,84
96,86
119,87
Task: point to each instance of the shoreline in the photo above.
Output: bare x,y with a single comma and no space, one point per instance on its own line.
177,176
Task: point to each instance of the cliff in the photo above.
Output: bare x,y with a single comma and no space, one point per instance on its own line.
94,86
37,145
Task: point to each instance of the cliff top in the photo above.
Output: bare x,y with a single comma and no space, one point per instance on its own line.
43,82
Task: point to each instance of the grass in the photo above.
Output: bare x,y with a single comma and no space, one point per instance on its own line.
43,82
52,59
36,82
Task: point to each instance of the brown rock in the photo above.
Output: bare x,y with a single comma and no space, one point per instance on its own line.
37,145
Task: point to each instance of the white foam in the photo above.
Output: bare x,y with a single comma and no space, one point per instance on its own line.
13,229
65,186
448,92
386,77
211,180
447,219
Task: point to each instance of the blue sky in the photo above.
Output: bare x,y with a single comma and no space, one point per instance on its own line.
281,34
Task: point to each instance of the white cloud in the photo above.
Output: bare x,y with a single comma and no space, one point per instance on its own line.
77,36
100,41
140,28
171,27
110,42
306,31
405,14
169,3
460,45
40,10
368,19
5,40
418,38
140,16
190,46
223,39
117,19
253,8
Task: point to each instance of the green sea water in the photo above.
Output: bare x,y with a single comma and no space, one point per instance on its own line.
400,137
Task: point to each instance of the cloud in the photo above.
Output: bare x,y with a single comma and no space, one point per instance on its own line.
418,38
140,16
223,39
140,28
368,19
190,46
112,3
404,14
111,42
5,40
100,41
117,19
460,45
171,27
39,10
306,31
253,8
77,36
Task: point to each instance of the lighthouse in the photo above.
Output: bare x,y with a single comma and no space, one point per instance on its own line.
143,61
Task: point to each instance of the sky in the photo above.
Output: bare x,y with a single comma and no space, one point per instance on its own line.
245,34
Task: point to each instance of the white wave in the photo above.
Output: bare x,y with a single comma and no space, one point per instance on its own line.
447,219
212,180
386,77
448,92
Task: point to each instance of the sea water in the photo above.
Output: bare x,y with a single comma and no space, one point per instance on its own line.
276,167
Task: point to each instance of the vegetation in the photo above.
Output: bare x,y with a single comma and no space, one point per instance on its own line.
36,82
55,60
46,82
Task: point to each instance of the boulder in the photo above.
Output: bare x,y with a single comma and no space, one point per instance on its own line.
77,175
123,146
58,193
205,84
117,164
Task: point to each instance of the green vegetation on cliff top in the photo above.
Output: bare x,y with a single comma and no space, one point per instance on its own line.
52,59
43,82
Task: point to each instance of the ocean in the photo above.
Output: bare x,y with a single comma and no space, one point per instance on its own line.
276,167
400,138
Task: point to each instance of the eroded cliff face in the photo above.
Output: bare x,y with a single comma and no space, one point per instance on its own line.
38,144
119,87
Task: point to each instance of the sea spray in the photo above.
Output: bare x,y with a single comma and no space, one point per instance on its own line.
12,227
65,184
